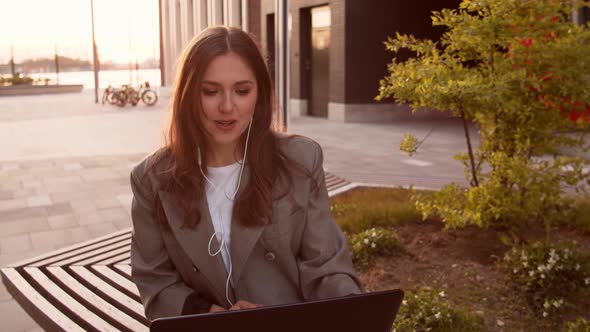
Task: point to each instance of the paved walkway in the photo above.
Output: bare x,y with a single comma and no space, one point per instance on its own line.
65,162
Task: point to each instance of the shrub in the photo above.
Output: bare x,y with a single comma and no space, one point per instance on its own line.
580,215
579,325
549,273
518,71
371,243
20,80
428,310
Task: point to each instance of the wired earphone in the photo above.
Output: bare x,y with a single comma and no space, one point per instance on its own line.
223,243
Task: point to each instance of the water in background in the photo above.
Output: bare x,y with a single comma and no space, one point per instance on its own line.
105,77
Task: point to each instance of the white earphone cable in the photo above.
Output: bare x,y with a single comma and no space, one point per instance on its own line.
223,242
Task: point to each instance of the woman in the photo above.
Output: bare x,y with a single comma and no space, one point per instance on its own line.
230,214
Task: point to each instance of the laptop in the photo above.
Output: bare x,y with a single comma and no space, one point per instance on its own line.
373,312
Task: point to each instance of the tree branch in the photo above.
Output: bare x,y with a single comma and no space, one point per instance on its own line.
474,181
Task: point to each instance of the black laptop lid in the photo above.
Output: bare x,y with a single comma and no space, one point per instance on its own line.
372,312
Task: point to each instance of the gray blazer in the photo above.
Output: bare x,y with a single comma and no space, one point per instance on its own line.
301,255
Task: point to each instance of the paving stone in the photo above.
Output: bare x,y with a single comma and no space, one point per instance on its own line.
36,329
113,214
26,192
10,167
125,200
22,213
10,185
70,196
13,258
62,221
4,294
97,174
100,229
59,238
39,200
107,203
83,205
32,184
14,244
59,209
122,223
22,226
12,204
6,195
62,180
89,218
14,318
72,166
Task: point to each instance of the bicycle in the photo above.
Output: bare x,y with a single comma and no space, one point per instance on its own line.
144,93
114,96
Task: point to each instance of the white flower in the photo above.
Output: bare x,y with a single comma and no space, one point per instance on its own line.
366,241
515,271
546,305
545,314
541,268
577,267
587,281
404,302
374,234
373,245
556,304
442,294
542,275
531,273
552,252
437,315
525,264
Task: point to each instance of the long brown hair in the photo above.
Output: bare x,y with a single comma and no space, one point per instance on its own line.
265,161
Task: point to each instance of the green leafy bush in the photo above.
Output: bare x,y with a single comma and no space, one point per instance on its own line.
428,310
517,71
20,80
579,325
549,273
371,243
580,215
409,144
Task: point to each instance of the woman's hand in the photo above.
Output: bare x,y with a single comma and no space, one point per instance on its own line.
216,308
245,305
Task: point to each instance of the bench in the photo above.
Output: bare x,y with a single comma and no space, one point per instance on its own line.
88,287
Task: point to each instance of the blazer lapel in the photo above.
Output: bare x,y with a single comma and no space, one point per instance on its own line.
243,239
195,242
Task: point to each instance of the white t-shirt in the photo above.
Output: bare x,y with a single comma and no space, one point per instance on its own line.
220,200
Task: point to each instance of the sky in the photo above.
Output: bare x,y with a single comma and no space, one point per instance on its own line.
36,27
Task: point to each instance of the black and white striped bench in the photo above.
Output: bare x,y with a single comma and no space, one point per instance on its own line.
88,287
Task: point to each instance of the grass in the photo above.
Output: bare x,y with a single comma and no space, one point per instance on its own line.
364,208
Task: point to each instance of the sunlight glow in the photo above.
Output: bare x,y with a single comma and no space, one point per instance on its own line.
36,27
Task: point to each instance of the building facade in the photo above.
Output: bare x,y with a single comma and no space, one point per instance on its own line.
336,51
181,20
